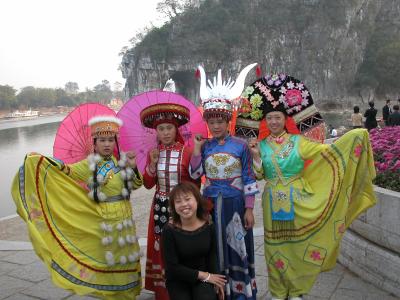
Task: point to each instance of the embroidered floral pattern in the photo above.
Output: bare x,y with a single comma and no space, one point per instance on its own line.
220,159
358,150
315,255
279,264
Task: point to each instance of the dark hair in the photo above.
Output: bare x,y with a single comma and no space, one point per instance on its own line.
186,187
387,101
356,109
395,107
371,104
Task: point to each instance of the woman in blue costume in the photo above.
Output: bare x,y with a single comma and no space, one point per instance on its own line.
230,185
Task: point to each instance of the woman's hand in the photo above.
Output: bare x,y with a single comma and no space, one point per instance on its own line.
254,149
248,218
198,143
221,292
154,154
216,279
131,159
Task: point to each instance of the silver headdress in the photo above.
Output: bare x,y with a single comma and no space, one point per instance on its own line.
220,98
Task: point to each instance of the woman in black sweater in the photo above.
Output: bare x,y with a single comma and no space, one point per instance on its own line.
189,249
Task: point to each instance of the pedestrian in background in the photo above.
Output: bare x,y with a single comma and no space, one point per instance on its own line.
394,118
370,116
356,118
386,111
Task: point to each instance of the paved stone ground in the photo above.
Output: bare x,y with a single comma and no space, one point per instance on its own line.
24,276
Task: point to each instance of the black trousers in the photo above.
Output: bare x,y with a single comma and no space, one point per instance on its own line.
179,290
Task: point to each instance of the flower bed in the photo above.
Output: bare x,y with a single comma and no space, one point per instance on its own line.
386,147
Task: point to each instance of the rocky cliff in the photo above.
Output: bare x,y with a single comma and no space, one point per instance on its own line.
334,47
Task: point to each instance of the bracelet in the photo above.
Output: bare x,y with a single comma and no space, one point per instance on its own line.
207,278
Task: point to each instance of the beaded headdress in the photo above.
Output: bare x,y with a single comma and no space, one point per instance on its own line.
164,113
279,93
104,126
220,98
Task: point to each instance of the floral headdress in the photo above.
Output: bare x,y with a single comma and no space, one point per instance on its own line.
280,93
219,98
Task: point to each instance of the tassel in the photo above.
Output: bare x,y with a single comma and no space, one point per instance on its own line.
110,258
125,223
122,260
103,226
101,196
133,257
197,74
125,192
258,71
119,226
121,241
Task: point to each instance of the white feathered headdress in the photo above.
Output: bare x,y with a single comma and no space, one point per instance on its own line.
219,97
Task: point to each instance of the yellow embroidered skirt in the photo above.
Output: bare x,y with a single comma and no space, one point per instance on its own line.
73,235
333,190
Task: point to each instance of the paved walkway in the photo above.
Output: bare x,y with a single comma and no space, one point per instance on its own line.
24,276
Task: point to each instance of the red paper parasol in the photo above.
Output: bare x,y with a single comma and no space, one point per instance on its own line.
134,136
73,141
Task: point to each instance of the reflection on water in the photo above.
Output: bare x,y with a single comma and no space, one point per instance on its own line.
14,144
20,137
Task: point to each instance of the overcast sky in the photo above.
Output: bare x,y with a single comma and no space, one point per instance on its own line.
46,43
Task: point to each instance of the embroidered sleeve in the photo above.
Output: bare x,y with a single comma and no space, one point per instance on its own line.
249,201
149,177
196,167
78,171
308,149
137,179
258,169
249,180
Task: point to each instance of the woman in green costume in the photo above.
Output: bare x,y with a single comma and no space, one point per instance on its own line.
313,191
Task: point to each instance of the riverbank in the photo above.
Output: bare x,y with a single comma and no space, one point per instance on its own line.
43,111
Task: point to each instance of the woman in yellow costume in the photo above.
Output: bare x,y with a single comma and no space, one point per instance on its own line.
313,191
87,240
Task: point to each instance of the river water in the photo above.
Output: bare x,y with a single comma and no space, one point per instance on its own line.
20,137
16,139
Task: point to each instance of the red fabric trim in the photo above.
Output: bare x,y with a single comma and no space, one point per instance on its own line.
290,126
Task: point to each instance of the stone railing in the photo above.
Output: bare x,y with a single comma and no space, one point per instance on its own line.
371,247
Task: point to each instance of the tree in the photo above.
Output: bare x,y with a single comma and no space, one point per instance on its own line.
117,92
387,68
7,97
27,97
71,88
170,8
102,92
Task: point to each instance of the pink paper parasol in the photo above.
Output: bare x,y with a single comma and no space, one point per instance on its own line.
134,136
73,141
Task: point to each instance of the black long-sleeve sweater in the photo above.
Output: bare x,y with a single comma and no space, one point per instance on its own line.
188,252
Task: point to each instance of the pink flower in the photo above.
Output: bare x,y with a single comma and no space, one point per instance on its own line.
293,97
